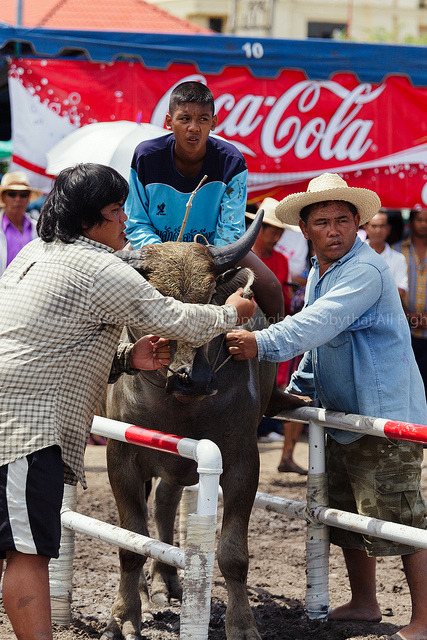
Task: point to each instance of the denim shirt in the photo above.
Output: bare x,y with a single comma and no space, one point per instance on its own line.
355,336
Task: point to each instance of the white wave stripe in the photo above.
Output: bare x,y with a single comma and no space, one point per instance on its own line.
36,128
413,155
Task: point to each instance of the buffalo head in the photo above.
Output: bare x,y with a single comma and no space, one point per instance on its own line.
199,274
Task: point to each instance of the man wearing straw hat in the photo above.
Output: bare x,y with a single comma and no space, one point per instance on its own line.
16,226
358,359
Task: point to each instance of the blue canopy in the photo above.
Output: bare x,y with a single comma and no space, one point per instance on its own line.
265,57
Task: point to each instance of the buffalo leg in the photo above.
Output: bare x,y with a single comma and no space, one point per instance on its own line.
129,492
239,488
165,583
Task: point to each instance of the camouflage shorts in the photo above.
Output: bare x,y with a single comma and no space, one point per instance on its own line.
379,478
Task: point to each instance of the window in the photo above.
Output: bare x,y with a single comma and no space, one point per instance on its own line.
216,24
325,29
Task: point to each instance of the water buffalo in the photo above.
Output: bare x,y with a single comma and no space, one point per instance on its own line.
190,400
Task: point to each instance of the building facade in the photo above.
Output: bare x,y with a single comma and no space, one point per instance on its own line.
361,20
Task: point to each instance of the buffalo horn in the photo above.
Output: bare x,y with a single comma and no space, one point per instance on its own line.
230,255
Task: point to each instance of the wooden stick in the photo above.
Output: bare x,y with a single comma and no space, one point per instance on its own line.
187,211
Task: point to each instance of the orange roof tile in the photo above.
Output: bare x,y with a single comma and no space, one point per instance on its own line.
102,15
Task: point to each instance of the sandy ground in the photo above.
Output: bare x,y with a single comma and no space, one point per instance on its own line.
276,581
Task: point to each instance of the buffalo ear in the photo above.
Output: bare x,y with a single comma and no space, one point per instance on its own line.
136,258
230,281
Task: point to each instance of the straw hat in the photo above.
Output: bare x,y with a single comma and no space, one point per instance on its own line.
329,186
18,181
269,205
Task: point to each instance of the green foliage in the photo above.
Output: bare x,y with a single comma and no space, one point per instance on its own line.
380,34
412,40
4,166
383,35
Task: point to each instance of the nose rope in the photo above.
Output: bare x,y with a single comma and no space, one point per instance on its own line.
223,363
185,376
217,356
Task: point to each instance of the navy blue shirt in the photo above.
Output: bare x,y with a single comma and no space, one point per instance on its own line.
159,194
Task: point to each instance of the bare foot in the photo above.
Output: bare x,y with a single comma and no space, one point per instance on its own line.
411,632
350,612
288,465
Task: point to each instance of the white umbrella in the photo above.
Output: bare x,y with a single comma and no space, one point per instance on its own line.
110,143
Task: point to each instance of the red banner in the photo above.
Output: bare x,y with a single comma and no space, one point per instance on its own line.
289,128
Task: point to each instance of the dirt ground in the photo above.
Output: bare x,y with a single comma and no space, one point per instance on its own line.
276,581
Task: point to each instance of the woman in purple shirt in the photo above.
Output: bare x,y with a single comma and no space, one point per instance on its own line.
16,226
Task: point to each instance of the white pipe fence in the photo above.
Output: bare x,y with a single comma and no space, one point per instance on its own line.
316,512
198,516
196,560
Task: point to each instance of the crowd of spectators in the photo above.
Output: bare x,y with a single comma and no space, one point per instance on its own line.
284,250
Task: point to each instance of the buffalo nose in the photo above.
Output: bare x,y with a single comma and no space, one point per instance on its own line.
185,382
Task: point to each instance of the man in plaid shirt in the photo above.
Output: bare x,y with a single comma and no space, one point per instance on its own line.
65,299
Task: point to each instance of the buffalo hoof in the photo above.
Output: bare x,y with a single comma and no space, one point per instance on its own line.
243,634
160,599
112,632
147,616
174,587
240,626
165,586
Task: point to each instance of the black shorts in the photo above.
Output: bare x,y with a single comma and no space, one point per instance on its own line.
31,491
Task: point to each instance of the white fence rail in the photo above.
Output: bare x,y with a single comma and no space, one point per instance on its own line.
196,560
316,512
199,527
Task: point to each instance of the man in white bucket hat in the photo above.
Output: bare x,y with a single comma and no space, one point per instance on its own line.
357,359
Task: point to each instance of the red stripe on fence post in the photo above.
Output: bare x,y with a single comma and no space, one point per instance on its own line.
152,439
406,431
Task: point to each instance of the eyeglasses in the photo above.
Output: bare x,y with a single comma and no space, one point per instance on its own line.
20,194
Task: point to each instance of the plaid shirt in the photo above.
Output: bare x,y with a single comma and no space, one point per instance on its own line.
63,307
416,299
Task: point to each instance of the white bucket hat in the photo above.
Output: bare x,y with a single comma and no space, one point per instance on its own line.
269,205
328,186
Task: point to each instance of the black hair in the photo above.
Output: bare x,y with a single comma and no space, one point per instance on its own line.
305,211
265,225
191,92
75,202
385,213
395,220
413,214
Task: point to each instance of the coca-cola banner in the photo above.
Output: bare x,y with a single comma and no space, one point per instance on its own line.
288,128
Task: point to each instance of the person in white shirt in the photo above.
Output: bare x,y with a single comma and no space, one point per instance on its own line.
294,246
377,230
